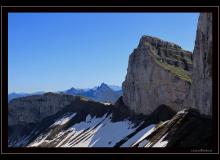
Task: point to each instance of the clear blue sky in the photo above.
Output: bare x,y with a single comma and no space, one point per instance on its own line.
56,51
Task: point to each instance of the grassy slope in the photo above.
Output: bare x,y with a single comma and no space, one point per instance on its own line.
181,73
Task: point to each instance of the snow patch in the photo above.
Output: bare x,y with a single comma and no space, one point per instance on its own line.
152,128
139,136
143,143
93,132
110,133
98,132
64,119
107,104
39,140
182,111
161,143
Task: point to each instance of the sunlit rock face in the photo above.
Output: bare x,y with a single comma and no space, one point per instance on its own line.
33,109
201,90
159,73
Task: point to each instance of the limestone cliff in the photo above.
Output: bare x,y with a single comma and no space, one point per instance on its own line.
33,109
159,73
201,90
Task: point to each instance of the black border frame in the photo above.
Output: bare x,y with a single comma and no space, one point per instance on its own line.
4,61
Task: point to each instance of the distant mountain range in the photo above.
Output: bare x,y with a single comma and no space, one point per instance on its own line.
103,93
19,95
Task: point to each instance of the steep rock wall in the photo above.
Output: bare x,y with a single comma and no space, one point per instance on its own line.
159,73
200,96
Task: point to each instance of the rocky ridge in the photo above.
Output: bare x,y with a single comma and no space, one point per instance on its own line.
181,130
68,111
34,108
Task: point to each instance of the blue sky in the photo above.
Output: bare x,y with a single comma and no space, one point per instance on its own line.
56,51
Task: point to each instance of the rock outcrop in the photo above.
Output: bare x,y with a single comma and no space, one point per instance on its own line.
200,96
159,73
186,129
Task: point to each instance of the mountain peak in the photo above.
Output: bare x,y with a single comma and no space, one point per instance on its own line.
157,42
104,85
72,88
72,91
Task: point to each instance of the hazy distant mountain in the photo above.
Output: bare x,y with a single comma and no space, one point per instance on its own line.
102,93
74,91
115,88
14,95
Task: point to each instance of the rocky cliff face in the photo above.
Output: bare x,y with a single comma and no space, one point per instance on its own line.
33,109
159,73
201,90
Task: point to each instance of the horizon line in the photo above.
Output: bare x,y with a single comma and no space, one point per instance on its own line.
78,88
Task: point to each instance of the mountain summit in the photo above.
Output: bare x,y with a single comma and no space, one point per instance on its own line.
102,93
103,85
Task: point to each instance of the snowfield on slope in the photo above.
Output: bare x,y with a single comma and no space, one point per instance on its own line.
139,136
93,132
96,132
64,119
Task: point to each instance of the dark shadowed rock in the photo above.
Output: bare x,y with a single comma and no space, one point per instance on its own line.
201,89
186,129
